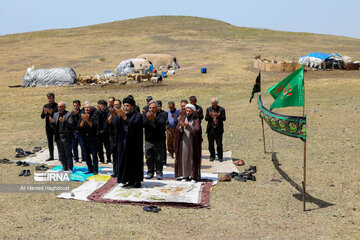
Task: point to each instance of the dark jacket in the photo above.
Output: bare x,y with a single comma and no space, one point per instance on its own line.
63,130
103,122
86,129
46,116
155,130
221,118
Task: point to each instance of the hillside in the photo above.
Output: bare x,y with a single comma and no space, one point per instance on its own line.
193,40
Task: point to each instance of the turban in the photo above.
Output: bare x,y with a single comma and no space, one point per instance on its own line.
129,100
190,106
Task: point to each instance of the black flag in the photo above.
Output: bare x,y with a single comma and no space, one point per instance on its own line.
256,87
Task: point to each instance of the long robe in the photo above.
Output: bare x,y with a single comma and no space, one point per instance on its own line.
129,144
188,150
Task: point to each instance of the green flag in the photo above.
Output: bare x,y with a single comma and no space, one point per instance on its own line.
290,91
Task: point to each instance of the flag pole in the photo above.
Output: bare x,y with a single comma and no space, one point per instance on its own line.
304,180
262,123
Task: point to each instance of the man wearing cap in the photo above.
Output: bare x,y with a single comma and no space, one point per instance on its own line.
215,116
172,121
188,147
48,111
129,143
154,124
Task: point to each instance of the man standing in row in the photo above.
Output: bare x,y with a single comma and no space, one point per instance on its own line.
129,142
88,127
112,133
103,132
48,111
154,124
78,138
188,146
64,126
172,121
215,116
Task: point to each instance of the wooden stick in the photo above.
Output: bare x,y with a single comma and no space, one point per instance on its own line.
262,123
304,182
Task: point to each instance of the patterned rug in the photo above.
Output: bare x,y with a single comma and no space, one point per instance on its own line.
168,192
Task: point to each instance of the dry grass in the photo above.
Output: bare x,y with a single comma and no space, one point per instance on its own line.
255,210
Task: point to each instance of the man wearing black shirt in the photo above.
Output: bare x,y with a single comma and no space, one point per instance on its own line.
103,132
154,125
111,118
199,111
78,138
48,111
88,126
160,111
215,115
64,126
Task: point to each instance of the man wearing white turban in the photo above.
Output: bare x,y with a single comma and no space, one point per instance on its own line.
188,146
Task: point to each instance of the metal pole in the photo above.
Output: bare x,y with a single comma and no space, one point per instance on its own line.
262,123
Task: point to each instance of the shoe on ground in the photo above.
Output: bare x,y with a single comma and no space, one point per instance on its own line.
220,160
240,178
22,172
180,178
5,161
239,163
149,176
225,178
19,163
89,172
212,159
25,164
159,177
137,185
27,173
50,159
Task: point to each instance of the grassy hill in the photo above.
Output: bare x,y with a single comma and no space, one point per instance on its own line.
254,210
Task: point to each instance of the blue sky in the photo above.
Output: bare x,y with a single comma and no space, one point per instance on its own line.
322,16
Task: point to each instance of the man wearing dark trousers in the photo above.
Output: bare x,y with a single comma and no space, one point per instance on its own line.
112,133
88,126
154,124
103,132
64,126
48,111
215,116
160,111
78,138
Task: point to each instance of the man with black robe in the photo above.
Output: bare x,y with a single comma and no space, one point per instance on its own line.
129,141
48,111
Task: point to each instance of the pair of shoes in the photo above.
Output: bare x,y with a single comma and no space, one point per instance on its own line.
149,176
41,168
212,159
50,159
153,209
25,173
5,161
220,159
20,163
113,175
239,163
160,177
